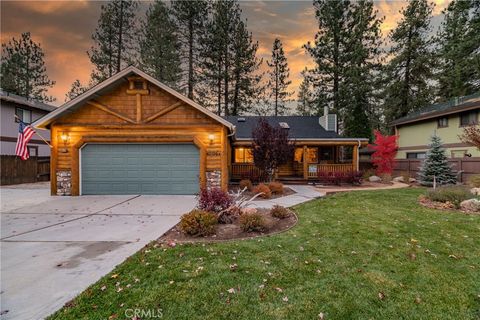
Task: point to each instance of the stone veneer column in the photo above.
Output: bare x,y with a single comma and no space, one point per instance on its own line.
214,179
64,182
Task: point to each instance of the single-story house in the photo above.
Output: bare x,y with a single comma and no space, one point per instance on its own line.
15,108
446,120
131,134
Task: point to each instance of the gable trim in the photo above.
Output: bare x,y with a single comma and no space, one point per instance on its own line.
84,97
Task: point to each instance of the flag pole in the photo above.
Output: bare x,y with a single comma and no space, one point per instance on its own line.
16,117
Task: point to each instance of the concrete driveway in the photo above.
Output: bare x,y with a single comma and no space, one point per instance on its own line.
53,248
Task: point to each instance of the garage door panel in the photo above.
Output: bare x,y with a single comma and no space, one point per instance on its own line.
140,169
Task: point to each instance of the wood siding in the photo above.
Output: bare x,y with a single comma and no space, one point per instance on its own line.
112,117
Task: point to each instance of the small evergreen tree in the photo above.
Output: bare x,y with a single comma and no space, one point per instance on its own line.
23,70
436,165
279,82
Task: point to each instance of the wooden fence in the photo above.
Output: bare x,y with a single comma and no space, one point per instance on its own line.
15,171
465,167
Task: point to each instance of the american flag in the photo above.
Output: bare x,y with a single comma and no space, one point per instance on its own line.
25,133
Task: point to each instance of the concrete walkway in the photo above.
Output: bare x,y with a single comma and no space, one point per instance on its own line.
53,248
379,186
303,194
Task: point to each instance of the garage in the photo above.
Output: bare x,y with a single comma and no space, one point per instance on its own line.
139,169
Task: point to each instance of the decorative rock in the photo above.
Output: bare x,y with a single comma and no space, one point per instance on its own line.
398,179
412,180
475,191
64,182
214,179
470,205
249,210
374,179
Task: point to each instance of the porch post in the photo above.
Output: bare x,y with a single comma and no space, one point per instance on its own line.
355,158
305,164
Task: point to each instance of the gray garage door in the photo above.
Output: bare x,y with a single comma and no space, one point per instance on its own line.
139,169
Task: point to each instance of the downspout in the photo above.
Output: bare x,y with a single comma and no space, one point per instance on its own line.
358,155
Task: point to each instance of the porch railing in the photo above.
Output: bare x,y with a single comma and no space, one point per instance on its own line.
244,170
314,169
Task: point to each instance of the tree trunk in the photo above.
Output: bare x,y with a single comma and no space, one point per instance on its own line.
190,59
120,40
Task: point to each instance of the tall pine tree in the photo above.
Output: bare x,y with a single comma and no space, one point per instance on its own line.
23,70
457,40
190,19
76,89
360,70
305,101
278,82
159,46
409,72
114,39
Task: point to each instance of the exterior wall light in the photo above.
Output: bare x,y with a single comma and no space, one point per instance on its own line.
211,137
64,136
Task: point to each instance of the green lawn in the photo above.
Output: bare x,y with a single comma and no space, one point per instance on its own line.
359,255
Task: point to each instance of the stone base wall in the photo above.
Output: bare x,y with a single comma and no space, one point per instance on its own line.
64,182
214,179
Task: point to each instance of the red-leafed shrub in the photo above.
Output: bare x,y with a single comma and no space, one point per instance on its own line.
214,200
349,177
276,187
198,223
385,148
246,183
264,189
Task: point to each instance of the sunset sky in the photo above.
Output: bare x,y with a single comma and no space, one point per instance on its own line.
64,30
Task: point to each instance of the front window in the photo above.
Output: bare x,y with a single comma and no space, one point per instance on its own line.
468,118
243,155
23,115
442,122
416,155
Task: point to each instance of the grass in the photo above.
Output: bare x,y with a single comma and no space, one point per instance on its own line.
359,255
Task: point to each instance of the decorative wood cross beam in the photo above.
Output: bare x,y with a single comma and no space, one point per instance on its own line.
110,111
138,86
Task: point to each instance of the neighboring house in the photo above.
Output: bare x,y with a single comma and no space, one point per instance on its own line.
447,120
28,111
132,134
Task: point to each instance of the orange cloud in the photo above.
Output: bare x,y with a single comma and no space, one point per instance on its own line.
45,7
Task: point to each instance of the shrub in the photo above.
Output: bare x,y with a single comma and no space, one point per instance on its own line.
474,181
229,216
250,222
264,189
214,200
276,187
368,173
198,223
279,212
351,177
386,177
452,194
246,183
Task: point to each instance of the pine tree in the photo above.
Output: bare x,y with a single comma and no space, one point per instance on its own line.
457,40
23,70
229,63
328,51
361,68
76,90
190,18
305,101
246,78
278,83
409,72
435,166
159,47
114,39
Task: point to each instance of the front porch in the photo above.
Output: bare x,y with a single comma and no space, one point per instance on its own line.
308,163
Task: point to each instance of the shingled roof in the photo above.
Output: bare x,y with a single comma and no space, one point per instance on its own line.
300,127
10,97
470,102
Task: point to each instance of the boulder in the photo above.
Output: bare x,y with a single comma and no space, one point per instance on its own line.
375,179
412,180
470,205
475,191
399,179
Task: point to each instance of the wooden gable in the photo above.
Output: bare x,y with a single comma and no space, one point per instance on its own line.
129,104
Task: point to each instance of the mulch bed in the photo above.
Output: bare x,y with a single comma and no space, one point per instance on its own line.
232,231
427,203
286,192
